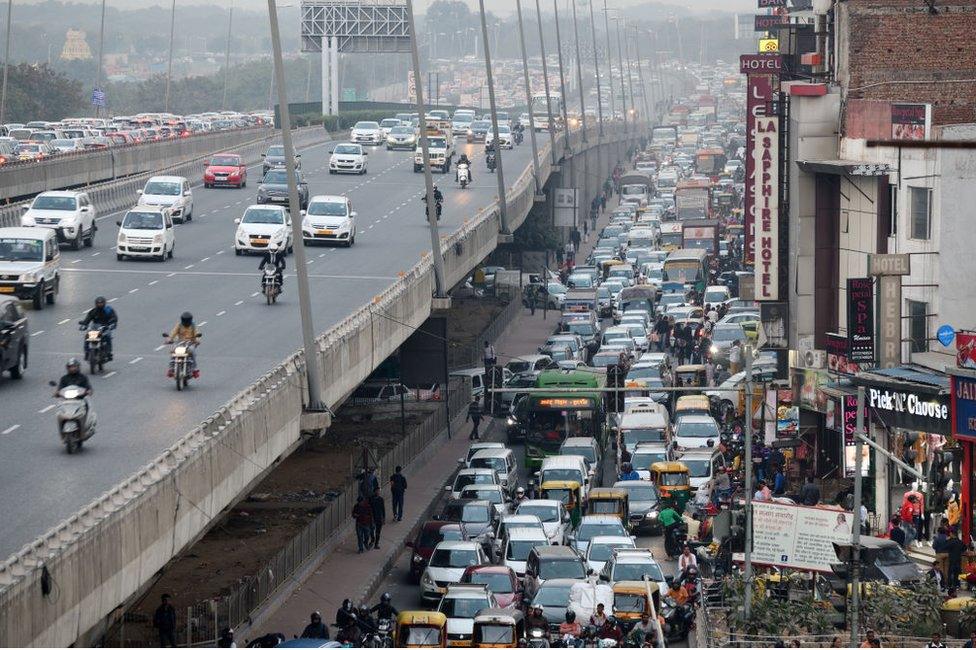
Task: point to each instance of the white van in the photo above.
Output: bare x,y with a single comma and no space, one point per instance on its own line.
477,378
565,468
30,264
146,231
703,465
170,191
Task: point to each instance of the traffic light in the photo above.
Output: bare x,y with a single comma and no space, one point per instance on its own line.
615,379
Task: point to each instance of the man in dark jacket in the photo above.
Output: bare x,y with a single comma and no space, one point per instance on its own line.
378,507
362,512
164,620
955,548
316,629
398,486
809,493
474,414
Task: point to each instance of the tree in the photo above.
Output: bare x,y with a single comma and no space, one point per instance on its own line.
37,92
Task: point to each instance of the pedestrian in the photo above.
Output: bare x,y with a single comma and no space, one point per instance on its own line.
593,217
907,514
574,237
895,532
362,512
586,230
779,481
710,372
809,493
936,641
474,414
955,549
603,203
735,357
489,356
164,620
570,253
378,507
398,486
972,640
226,639
367,482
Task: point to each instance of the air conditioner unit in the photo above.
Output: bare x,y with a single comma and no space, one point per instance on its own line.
805,344
812,359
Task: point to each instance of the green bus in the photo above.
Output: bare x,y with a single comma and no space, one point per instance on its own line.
548,418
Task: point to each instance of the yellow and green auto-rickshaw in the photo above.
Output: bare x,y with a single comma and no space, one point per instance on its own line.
419,629
498,628
608,501
673,483
691,375
692,405
570,493
630,601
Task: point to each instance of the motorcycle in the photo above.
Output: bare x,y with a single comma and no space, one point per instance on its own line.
519,137
462,175
182,365
96,346
381,637
270,284
439,208
677,620
490,161
537,638
76,417
675,539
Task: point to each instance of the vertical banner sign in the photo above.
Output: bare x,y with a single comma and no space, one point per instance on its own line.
565,206
766,195
889,269
860,320
760,81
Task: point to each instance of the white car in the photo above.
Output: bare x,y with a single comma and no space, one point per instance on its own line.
447,565
146,231
329,219
388,125
401,137
348,158
517,544
30,265
555,520
367,133
69,214
172,192
601,548
505,140
263,227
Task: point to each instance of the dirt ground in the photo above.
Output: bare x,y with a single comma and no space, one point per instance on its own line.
247,536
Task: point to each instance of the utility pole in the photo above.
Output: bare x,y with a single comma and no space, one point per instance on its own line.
528,99
545,80
630,79
606,29
620,63
500,178
440,287
856,526
101,50
640,77
596,67
312,370
6,64
747,440
169,65
230,23
579,72
562,76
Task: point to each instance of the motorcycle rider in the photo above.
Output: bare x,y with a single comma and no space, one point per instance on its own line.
316,629
627,473
571,627
520,495
186,331
385,609
278,261
345,614
438,200
463,160
537,620
103,315
677,591
670,519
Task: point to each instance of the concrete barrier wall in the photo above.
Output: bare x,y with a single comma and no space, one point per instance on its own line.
96,560
75,170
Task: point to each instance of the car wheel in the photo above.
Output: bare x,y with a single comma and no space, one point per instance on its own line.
38,299
119,257
51,295
206,186
238,251
90,239
17,372
332,172
77,242
171,251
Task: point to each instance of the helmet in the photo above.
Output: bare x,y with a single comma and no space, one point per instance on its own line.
316,616
347,604
627,467
100,301
520,490
73,365
570,616
538,608
385,598
186,319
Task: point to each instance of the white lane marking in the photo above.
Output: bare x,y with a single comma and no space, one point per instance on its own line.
75,261
321,254
204,259
133,290
159,347
112,299
221,312
255,293
220,252
371,226
169,275
239,302
203,323
37,333
96,254
309,262
110,374
136,360
322,276
9,430
47,408
62,322
153,282
188,267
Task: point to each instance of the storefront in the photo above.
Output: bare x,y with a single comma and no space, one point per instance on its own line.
964,433
908,414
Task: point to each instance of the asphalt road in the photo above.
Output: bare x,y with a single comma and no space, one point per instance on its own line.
140,413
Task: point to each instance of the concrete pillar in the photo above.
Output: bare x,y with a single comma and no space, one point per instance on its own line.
330,76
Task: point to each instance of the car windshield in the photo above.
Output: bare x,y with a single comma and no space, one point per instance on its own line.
519,550
454,558
499,583
583,329
637,571
276,151
488,493
474,514
641,493
422,637
54,203
630,603
62,143
672,299
891,556
464,480
327,209
552,595
561,568
430,537
163,188
586,452
727,333
350,149
494,635
276,177
366,125
225,161
605,358
673,478
21,250
602,552
697,429
588,531
698,468
714,296
633,436
547,514
481,125
143,221
462,607
402,130
390,123
561,474
263,215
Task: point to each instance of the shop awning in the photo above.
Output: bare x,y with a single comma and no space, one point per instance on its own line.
839,389
844,167
924,379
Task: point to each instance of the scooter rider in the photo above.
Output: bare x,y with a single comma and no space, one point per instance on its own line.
278,260
103,315
438,200
74,377
186,331
385,609
537,620
463,160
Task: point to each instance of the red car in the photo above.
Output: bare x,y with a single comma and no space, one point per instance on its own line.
429,536
500,579
226,169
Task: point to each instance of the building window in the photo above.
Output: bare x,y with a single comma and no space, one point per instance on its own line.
892,210
918,330
921,205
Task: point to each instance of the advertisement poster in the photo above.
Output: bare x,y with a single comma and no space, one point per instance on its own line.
966,349
838,357
787,415
910,121
565,207
811,397
798,537
848,417
766,196
860,319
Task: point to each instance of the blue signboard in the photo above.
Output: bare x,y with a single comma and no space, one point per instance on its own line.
964,407
98,97
946,334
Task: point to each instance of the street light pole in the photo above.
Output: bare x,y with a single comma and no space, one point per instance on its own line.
169,65
499,176
747,440
630,80
6,64
640,78
856,526
230,23
606,29
562,76
596,67
579,72
440,286
312,372
528,100
620,64
101,43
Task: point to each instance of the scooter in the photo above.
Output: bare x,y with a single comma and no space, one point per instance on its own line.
677,620
182,365
462,175
96,346
675,539
381,637
490,161
76,417
519,137
270,284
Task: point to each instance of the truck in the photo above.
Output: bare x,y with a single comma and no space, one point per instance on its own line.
702,234
693,200
441,148
540,110
671,235
666,135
